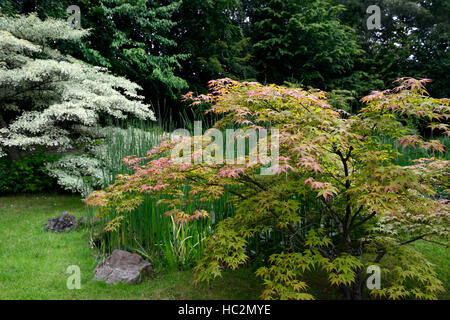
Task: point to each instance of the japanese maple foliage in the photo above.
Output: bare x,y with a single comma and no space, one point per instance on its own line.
366,208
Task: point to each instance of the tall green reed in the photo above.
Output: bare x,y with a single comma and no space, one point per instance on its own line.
408,154
149,232
146,230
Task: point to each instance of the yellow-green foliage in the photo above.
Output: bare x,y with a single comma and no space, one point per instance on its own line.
366,208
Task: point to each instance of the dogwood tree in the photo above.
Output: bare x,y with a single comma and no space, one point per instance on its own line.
365,209
49,101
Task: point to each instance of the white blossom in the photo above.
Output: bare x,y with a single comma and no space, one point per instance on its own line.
55,102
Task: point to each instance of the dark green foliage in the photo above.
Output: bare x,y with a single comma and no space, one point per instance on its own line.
167,46
28,174
210,31
44,8
133,39
302,41
414,39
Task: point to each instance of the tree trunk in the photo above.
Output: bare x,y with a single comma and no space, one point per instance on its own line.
357,286
356,290
13,152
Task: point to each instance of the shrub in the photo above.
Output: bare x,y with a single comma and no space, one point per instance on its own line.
368,209
28,174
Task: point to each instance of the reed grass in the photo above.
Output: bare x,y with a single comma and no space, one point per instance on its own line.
407,155
170,245
146,230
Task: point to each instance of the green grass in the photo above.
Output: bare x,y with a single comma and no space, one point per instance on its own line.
33,262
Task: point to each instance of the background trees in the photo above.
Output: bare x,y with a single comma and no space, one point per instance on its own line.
134,39
211,32
302,42
131,38
167,46
413,39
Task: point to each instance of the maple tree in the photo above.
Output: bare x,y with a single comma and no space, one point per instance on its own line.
366,209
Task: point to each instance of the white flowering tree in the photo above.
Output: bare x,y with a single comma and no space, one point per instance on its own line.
49,101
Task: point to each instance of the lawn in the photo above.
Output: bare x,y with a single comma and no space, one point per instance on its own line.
33,262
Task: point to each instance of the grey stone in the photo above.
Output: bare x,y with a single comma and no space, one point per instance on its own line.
122,266
65,222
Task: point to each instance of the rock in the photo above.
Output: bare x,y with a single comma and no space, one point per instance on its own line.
122,266
65,222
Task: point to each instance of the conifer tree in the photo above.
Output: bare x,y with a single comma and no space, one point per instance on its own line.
302,41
